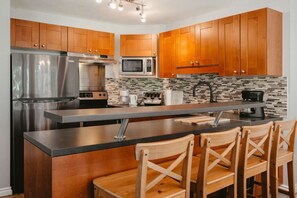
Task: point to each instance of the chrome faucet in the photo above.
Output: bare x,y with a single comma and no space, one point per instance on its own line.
211,100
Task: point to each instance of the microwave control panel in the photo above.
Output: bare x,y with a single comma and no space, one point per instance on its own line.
148,65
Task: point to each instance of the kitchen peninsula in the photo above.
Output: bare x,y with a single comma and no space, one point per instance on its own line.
63,163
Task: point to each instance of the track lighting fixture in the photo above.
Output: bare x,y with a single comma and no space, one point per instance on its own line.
113,4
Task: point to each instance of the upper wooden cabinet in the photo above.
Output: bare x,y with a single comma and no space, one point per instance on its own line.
29,34
197,48
139,45
261,42
24,33
167,63
78,40
53,37
229,45
251,43
91,42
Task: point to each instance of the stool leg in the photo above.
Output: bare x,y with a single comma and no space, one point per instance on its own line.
265,184
241,186
274,180
291,179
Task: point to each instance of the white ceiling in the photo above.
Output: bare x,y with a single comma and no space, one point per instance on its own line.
157,11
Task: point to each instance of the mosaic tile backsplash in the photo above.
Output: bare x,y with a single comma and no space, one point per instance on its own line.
224,88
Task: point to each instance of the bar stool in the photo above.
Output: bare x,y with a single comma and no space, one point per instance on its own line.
282,152
214,170
158,181
255,157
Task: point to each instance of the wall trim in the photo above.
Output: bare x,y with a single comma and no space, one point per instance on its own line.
5,191
286,187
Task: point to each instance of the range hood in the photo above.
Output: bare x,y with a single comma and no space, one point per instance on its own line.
99,59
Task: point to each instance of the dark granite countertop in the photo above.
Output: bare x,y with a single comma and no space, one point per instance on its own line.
62,142
85,115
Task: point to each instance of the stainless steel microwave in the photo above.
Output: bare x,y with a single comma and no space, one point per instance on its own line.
138,66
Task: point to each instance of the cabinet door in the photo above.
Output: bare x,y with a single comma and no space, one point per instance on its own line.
77,40
105,43
53,37
24,33
167,62
139,45
229,46
185,47
207,43
253,42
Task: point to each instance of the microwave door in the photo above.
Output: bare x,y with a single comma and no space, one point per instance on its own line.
133,67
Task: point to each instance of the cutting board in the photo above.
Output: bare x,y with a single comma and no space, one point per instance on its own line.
200,120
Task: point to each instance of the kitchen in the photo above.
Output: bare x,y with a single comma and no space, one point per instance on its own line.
160,85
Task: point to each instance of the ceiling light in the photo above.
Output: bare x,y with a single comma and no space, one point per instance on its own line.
120,7
112,4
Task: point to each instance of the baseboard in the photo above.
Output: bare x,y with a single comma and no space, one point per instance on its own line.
286,187
5,191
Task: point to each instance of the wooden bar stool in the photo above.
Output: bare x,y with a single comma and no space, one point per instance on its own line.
158,181
282,152
255,157
214,170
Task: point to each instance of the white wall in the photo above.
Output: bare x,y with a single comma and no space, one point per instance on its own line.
4,98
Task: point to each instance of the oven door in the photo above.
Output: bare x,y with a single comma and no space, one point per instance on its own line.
133,66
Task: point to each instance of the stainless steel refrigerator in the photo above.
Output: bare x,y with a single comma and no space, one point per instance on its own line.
38,83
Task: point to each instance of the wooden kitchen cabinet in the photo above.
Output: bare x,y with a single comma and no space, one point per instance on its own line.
229,45
53,37
138,45
101,43
197,48
91,42
78,40
24,33
167,62
261,42
29,34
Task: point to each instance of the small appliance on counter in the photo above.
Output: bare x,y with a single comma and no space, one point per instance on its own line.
124,97
257,112
153,98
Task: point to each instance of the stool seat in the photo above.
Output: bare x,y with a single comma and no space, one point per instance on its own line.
122,184
284,156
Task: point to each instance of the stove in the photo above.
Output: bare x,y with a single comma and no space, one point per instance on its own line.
153,98
93,99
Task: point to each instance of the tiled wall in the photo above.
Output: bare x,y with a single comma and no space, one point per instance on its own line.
225,89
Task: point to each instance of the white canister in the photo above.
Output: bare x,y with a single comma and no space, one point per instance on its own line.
168,97
133,100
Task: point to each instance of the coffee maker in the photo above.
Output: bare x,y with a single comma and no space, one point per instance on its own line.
256,112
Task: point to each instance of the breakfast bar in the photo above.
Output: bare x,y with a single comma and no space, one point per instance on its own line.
63,162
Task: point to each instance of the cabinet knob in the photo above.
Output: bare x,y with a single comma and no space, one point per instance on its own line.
35,45
96,51
235,72
197,62
154,53
192,63
90,50
172,74
242,71
43,46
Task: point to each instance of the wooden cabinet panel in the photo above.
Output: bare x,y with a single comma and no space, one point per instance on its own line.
185,46
12,32
138,45
167,56
105,43
24,33
77,40
261,42
207,43
53,37
229,45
